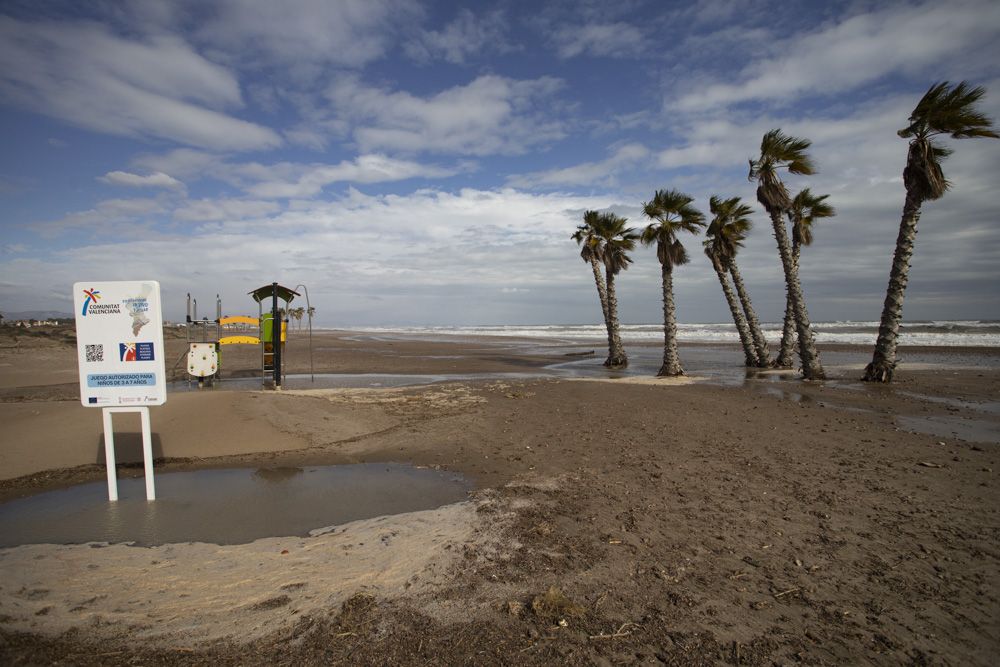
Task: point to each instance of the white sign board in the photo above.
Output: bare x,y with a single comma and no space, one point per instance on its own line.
119,343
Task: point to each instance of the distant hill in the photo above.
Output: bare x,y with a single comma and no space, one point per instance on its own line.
36,315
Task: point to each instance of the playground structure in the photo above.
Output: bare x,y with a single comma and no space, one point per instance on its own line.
205,339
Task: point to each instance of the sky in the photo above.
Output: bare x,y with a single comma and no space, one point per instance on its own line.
425,163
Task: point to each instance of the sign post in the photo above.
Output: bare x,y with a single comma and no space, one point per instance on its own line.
119,341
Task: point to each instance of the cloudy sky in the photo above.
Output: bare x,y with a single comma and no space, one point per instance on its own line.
426,162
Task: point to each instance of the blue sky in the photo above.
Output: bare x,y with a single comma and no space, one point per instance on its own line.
426,163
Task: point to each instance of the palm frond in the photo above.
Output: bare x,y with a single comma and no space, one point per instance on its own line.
947,109
807,208
729,226
617,240
672,211
678,254
779,149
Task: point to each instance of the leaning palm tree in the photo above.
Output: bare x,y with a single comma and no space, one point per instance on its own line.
617,240
778,151
806,209
944,109
718,252
592,252
671,212
734,224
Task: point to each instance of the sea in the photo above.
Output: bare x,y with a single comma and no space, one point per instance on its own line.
942,333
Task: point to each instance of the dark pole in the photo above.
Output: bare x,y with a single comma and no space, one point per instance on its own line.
276,334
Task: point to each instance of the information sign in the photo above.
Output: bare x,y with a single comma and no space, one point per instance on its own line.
119,342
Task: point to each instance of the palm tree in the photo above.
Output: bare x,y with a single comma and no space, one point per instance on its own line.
806,209
944,109
716,252
617,240
297,313
729,227
592,252
671,212
778,151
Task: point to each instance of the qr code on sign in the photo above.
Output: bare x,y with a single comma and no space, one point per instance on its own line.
95,352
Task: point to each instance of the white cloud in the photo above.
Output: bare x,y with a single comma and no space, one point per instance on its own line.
185,163
490,115
416,252
155,180
116,217
292,179
311,179
585,173
205,210
618,40
304,34
82,74
465,36
859,50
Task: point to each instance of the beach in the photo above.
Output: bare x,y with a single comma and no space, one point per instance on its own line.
726,516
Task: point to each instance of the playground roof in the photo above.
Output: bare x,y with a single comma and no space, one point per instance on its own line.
267,291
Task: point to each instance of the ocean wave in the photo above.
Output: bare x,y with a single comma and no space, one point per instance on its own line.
958,333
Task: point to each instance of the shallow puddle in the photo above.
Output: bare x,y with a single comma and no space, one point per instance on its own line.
349,381
972,430
229,506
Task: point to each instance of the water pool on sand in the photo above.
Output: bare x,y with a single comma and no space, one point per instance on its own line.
226,506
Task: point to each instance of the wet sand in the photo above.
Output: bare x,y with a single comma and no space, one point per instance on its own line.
618,518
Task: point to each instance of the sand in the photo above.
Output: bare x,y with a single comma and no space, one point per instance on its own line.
628,520
189,594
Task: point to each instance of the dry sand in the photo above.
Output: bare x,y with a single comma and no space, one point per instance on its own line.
621,521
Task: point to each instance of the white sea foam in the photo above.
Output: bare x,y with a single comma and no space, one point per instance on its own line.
958,333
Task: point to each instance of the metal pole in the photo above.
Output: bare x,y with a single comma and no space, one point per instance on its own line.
276,335
218,336
109,450
147,453
109,454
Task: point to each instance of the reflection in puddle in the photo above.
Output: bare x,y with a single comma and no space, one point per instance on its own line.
352,381
280,474
974,430
230,506
990,407
787,395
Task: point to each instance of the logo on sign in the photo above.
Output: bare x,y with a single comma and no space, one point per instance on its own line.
135,352
92,297
91,307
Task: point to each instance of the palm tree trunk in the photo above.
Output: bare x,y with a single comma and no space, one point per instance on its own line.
671,359
811,367
785,359
749,354
884,360
616,353
763,354
602,293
